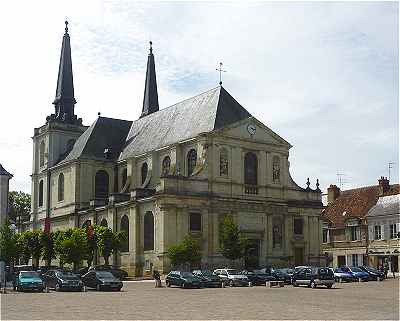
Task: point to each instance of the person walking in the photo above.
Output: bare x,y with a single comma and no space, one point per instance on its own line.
392,268
386,269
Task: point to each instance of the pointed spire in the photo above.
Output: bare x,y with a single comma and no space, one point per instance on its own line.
150,99
65,101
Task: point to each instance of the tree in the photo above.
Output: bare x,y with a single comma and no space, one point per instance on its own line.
231,241
20,206
58,237
91,244
105,242
26,251
72,246
48,249
8,248
188,251
33,241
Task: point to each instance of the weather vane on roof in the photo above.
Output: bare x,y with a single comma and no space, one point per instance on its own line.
220,73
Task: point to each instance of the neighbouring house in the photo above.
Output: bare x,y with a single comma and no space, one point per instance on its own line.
384,232
4,189
345,232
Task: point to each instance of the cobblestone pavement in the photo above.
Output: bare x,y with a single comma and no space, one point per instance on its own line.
140,300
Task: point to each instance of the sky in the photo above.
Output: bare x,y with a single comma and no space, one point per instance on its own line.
322,75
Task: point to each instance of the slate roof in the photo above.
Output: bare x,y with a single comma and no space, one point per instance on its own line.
102,134
386,205
3,172
355,203
206,112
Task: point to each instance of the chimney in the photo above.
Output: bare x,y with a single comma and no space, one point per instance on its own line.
384,186
333,193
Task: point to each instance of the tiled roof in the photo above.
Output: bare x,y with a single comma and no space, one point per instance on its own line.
203,113
104,133
354,203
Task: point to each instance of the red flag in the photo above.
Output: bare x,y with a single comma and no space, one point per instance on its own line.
47,225
90,231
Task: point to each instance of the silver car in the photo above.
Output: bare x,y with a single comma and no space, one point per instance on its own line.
232,277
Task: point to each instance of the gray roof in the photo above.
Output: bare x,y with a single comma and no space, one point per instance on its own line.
206,112
386,205
3,172
104,133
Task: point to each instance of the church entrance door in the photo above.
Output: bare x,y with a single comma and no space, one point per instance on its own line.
298,256
252,257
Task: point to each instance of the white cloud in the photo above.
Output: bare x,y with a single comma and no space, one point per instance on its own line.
322,75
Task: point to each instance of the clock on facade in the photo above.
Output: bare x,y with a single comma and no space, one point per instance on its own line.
251,129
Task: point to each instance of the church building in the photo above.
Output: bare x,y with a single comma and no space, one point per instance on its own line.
172,171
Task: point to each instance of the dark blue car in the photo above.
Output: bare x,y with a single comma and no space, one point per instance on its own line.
356,272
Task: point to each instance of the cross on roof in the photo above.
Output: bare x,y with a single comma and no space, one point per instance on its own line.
220,73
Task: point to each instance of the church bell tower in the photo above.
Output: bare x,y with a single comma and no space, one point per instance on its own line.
54,140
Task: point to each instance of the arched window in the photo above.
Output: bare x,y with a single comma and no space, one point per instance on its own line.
124,177
61,187
148,232
223,162
166,165
41,153
250,169
144,171
191,161
104,222
101,184
276,170
125,228
41,193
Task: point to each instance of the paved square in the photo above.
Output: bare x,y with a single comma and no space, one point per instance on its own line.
140,300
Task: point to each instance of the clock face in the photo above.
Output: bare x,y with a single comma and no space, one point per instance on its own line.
251,129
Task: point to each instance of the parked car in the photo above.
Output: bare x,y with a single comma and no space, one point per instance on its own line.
343,276
29,280
62,280
182,279
313,277
43,269
357,273
115,270
232,277
374,274
284,274
101,280
208,278
258,277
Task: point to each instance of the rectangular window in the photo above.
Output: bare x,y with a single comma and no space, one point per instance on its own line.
393,231
325,235
354,259
354,234
377,232
298,226
195,222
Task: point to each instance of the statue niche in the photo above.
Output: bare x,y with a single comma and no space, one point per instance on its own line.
277,232
276,170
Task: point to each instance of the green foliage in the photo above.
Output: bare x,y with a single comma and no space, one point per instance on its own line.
58,237
48,248
231,241
105,242
188,251
19,205
72,246
8,248
35,246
